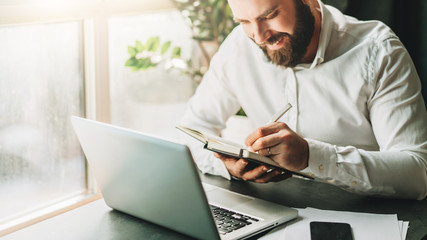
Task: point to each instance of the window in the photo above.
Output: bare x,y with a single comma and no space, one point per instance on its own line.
41,79
55,63
153,100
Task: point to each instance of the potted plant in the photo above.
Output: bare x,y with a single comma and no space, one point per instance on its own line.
210,22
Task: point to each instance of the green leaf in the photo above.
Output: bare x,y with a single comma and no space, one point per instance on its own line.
241,112
176,52
131,51
165,47
143,64
138,46
153,44
131,62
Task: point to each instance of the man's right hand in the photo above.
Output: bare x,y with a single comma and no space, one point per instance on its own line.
260,174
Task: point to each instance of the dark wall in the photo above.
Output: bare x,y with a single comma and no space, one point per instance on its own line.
407,18
422,61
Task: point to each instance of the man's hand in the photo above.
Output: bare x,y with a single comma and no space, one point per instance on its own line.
243,169
281,144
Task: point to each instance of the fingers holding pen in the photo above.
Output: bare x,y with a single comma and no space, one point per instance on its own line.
268,139
281,144
264,131
261,140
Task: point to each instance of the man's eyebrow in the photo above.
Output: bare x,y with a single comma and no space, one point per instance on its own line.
267,12
262,15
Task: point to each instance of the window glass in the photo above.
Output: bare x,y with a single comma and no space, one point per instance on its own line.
152,100
41,86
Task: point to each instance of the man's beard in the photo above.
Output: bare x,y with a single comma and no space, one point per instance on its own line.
295,46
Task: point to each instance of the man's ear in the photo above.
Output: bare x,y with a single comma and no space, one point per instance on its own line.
307,2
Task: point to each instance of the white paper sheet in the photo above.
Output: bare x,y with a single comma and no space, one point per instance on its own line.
365,226
404,229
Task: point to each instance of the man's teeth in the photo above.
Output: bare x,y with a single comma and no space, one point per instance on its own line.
277,42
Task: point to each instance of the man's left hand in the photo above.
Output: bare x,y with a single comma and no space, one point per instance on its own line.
243,169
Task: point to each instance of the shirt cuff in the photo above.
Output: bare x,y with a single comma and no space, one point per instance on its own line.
322,161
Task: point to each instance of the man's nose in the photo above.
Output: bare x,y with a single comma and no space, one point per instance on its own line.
261,33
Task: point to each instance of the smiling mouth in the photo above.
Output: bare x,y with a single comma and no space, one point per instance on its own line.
276,44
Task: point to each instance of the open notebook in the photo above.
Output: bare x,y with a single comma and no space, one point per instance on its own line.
232,149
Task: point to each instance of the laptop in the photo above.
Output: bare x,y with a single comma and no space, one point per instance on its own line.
157,180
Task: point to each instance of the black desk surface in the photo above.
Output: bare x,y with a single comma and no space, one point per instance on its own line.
98,221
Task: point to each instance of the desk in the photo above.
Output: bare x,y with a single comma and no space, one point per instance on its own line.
97,221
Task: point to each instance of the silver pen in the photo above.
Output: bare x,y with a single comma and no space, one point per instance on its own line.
280,113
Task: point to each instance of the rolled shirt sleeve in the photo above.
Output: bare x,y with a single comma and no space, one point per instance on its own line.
398,118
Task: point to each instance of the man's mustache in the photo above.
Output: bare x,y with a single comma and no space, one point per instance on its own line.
275,38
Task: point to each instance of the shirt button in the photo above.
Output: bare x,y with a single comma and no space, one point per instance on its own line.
321,167
353,183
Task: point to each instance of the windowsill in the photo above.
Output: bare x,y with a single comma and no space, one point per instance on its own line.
23,221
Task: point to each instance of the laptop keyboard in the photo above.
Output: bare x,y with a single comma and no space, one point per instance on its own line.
228,221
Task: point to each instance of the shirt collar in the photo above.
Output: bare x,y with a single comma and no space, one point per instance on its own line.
325,35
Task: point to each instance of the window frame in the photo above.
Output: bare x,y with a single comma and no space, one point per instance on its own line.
93,17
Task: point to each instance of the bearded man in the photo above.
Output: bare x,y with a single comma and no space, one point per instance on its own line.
358,119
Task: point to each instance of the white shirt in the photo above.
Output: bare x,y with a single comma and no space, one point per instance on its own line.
359,105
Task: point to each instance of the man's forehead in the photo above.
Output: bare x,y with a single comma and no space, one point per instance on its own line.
247,9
